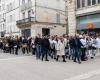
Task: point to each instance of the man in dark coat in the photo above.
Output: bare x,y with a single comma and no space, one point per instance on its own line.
46,46
37,43
24,45
17,45
77,48
11,44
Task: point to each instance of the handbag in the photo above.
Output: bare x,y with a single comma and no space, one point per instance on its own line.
24,46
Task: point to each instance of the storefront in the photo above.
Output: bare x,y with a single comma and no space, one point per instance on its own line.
89,23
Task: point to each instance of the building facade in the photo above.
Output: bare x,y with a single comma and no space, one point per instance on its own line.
86,16
46,17
32,17
2,18
12,15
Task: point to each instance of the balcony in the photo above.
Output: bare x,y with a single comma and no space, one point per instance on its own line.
26,6
25,22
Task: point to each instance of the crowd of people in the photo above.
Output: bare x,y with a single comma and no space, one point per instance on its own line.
77,48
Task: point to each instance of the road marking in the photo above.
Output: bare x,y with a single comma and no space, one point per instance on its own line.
85,76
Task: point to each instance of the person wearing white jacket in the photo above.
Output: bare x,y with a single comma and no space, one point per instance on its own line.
98,44
60,47
83,49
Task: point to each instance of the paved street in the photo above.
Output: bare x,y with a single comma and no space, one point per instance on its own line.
21,67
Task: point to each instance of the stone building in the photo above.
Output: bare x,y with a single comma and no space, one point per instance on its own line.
83,16
32,17
46,17
2,18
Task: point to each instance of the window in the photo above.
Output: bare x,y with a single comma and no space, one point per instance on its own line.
93,2
3,7
78,4
58,18
7,7
0,8
29,1
89,2
10,6
10,18
3,26
24,15
0,17
98,1
23,1
29,13
83,3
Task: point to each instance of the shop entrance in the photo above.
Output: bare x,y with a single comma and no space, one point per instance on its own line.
45,31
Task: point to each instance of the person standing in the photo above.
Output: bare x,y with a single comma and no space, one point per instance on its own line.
37,43
46,46
29,43
60,47
17,45
98,44
77,49
83,49
94,47
71,46
11,45
90,43
33,46
24,45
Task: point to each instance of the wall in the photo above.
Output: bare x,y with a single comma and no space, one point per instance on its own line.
47,10
88,10
71,17
37,29
13,11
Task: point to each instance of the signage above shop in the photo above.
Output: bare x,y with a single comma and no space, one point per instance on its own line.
90,25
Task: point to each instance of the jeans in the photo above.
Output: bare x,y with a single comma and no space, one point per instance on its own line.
16,50
11,50
71,53
83,57
38,51
45,53
33,51
24,49
77,55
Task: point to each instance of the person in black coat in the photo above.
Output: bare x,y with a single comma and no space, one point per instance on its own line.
24,45
11,44
46,46
17,45
38,46
71,45
77,49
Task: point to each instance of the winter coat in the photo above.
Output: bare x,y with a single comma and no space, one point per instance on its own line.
60,48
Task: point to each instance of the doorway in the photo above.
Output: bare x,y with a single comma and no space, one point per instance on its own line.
26,32
45,31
